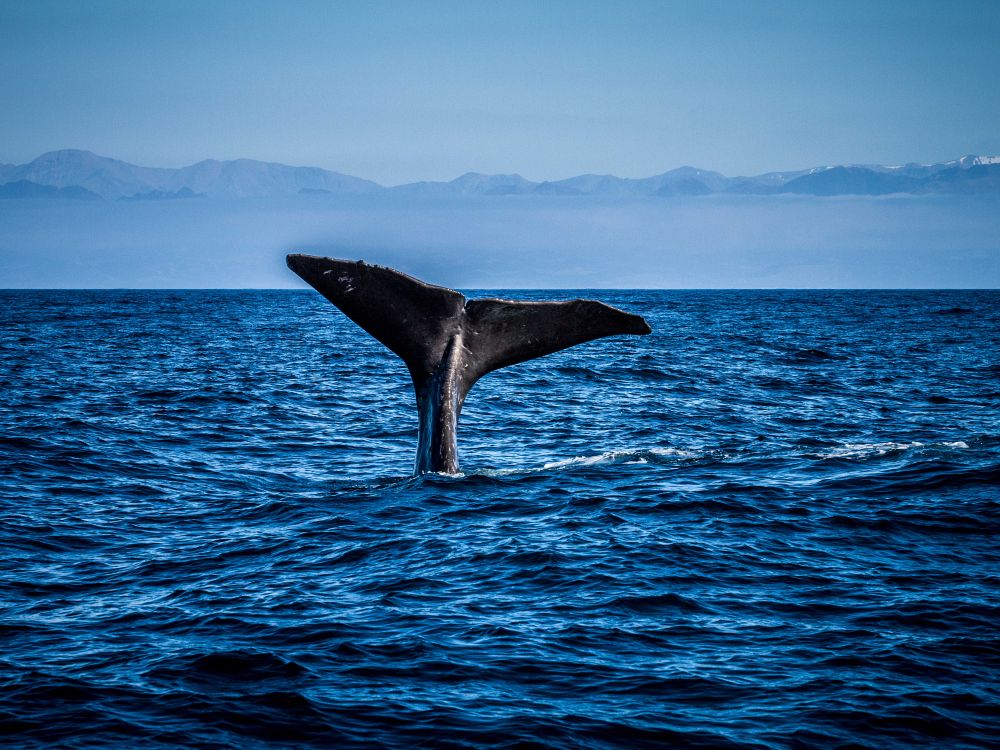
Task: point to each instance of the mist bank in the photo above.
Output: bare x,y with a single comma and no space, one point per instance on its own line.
711,241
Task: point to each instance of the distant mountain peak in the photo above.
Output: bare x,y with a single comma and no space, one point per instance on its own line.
72,155
972,160
67,152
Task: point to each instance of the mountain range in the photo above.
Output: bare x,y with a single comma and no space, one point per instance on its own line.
76,174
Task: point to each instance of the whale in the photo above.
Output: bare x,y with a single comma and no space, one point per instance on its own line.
449,342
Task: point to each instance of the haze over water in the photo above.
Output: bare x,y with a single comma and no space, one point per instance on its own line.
771,523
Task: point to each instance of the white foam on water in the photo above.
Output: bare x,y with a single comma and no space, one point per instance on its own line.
874,450
626,457
679,452
580,461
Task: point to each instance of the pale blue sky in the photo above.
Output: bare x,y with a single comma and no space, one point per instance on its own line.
403,91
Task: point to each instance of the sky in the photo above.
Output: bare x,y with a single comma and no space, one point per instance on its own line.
401,91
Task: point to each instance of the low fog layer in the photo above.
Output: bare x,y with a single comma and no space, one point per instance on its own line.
714,241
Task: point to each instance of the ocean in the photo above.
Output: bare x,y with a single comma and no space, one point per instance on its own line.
772,523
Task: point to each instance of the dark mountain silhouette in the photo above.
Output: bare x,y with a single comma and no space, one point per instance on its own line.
850,181
29,189
979,178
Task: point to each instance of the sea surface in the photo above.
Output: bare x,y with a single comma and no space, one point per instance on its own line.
773,523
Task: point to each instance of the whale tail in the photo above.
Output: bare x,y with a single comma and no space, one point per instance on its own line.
448,342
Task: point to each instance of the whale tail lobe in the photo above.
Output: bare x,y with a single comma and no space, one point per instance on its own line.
448,342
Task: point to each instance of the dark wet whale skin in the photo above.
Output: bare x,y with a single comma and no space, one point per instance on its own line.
449,342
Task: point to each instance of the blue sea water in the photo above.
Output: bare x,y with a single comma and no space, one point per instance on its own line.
770,524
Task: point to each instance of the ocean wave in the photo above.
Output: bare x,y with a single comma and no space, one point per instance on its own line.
875,450
625,457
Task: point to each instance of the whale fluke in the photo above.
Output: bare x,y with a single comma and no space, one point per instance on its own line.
448,342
